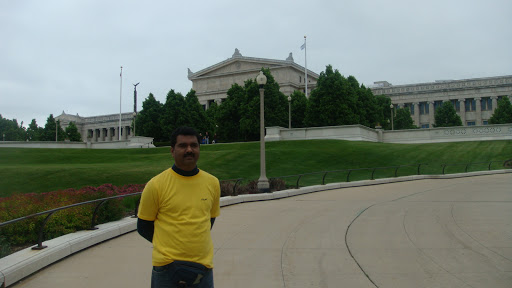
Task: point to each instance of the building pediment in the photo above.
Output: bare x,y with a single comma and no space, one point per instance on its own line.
240,64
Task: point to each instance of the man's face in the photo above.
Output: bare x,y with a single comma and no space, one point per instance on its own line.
186,152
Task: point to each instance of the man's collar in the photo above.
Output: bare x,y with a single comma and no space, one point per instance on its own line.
185,173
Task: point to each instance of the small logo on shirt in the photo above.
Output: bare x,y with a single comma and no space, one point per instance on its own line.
204,199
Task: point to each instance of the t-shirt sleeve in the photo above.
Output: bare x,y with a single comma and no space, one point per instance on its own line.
216,200
148,207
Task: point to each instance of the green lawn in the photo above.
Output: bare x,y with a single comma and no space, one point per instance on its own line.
41,170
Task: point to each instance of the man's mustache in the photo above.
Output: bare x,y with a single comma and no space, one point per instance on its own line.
189,154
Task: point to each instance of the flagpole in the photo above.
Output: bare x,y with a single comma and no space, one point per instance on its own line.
120,94
306,65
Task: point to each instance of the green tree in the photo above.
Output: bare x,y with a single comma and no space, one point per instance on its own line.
72,133
148,122
299,106
503,113
446,116
33,131
212,114
195,115
367,107
333,101
383,111
229,114
403,120
49,130
173,114
275,110
11,131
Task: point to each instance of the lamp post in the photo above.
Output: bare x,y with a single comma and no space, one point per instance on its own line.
289,112
134,106
391,106
263,185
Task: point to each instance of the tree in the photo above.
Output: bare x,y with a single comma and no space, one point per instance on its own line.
72,133
173,114
446,116
229,114
195,116
212,114
11,131
299,106
367,107
383,111
49,130
333,101
275,110
33,131
503,113
403,120
148,121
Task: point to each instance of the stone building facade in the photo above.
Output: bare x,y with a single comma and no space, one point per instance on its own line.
212,83
474,99
99,128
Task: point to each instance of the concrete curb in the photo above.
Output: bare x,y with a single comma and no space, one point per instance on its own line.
21,264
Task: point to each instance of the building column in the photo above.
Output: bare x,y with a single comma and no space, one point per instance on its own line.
416,114
109,134
218,101
494,103
478,111
116,134
94,135
102,134
462,111
431,116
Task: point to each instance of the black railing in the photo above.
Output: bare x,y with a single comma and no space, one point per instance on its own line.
237,181
51,212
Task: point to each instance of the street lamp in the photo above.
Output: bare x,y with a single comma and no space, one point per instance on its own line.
134,106
289,112
263,185
391,106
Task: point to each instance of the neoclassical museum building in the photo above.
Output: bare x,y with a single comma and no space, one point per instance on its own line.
474,99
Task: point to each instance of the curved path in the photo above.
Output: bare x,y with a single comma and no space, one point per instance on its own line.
425,233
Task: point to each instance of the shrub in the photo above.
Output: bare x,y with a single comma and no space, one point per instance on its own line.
63,221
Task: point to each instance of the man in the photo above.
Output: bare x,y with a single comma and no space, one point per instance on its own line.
176,213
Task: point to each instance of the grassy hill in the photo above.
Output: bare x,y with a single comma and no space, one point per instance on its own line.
41,170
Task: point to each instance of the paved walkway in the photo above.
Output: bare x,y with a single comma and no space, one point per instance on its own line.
426,233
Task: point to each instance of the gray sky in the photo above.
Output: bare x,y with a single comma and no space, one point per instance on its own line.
66,55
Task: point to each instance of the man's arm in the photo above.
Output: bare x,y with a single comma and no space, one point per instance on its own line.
146,229
212,220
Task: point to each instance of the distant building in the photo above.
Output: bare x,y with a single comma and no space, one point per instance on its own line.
474,99
99,128
212,83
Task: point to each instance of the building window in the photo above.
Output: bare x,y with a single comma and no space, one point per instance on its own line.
470,105
486,103
409,106
424,108
485,122
471,123
456,105
300,79
437,104
425,126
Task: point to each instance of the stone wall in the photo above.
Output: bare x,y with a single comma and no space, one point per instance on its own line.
134,142
362,133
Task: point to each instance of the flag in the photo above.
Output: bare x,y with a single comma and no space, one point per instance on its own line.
303,46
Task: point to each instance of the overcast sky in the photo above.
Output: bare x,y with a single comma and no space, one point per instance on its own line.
66,55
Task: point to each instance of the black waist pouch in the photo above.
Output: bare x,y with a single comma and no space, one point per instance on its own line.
188,273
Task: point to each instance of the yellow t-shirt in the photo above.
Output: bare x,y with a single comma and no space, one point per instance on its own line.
181,207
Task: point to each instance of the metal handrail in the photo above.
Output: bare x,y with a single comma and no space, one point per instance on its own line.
51,212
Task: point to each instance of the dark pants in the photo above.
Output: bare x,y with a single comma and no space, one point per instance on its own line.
190,275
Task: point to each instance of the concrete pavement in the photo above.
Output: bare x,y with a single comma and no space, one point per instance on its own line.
424,233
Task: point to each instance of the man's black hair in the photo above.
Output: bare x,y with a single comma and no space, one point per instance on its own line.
186,131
